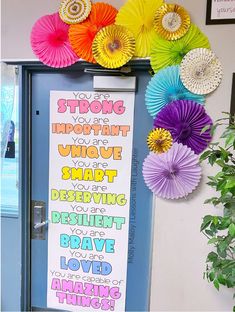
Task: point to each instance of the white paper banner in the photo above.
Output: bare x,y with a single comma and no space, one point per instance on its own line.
89,195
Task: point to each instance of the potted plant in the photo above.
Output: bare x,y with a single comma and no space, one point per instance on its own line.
220,229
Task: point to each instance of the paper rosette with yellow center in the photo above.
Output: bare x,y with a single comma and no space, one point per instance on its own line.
74,11
113,46
138,17
159,140
171,21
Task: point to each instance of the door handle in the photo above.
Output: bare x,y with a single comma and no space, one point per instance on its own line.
38,219
38,225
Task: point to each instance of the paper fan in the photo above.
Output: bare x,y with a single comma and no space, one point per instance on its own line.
113,46
74,11
165,87
138,17
166,53
159,140
185,121
171,21
49,42
81,35
174,174
201,71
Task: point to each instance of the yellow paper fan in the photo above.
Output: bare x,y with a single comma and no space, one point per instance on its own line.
138,17
171,21
113,46
159,140
74,11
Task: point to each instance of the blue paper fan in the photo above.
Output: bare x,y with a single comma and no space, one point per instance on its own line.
165,87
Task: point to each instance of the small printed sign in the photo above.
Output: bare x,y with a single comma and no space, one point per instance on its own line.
220,11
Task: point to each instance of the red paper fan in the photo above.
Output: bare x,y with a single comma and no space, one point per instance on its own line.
50,43
81,35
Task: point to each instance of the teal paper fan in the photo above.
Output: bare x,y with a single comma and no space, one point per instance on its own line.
165,87
166,53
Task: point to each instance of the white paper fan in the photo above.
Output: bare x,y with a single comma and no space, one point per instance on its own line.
201,71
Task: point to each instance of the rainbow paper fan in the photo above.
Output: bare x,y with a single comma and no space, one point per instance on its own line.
49,42
113,46
173,174
171,21
165,87
74,11
81,35
138,17
166,53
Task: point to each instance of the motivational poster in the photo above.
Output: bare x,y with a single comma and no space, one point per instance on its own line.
223,9
89,198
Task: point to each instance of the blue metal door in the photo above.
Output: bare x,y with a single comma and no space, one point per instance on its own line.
140,228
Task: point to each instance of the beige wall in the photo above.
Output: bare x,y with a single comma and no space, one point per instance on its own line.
179,249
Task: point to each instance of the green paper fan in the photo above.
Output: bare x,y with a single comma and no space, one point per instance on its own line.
166,53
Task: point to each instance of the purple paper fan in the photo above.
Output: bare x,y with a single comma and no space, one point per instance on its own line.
174,174
185,120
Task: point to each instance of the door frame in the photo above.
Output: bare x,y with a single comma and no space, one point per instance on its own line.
25,75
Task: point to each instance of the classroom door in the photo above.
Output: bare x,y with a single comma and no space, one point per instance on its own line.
141,214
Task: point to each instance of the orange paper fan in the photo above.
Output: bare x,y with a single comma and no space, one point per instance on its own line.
81,35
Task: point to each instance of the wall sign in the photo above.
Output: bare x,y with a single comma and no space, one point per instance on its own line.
89,186
220,12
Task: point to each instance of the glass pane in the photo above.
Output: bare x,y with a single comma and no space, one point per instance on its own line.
9,141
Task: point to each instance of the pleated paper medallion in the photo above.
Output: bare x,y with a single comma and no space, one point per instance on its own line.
113,46
185,121
138,17
81,35
173,174
201,71
50,43
159,140
171,21
166,53
165,87
74,11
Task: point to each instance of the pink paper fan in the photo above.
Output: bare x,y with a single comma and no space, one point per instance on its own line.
173,174
50,43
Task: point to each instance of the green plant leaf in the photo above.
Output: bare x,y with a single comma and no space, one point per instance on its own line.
209,232
205,155
231,229
206,221
211,257
220,163
230,139
207,127
211,200
230,182
212,158
223,246
212,240
221,279
211,276
216,284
